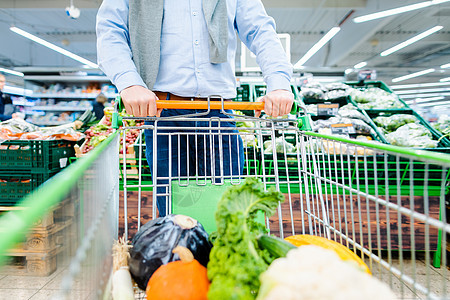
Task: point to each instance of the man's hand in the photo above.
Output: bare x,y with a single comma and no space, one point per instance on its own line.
277,103
140,102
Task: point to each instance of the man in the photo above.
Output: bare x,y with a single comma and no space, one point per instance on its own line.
99,105
4,100
173,49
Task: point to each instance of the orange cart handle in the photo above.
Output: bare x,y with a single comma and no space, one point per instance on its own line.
197,104
180,104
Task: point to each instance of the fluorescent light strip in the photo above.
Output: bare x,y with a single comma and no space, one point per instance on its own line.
360,65
398,10
413,75
445,66
53,47
421,100
424,95
447,79
411,40
325,39
406,92
433,103
419,85
11,72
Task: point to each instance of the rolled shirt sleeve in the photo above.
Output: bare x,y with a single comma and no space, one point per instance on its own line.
257,31
113,45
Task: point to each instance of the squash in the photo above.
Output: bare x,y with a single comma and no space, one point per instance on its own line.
185,279
343,252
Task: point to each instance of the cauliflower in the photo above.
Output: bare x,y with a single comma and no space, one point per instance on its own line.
314,273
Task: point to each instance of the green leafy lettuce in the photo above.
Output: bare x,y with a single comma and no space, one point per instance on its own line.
236,261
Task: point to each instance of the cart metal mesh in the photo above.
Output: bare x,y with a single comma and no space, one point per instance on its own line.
65,231
385,203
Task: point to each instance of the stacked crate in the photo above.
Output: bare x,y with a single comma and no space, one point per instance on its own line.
24,166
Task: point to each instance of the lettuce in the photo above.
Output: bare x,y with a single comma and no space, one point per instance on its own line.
236,261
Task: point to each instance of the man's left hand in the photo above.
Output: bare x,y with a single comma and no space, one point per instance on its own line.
277,103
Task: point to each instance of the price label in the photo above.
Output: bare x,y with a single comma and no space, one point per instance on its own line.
327,109
342,129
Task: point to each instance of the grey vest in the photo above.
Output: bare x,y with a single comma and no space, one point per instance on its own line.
145,23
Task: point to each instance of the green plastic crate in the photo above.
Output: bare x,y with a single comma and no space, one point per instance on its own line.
15,186
35,156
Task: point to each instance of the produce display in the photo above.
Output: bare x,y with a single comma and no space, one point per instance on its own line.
392,123
281,146
100,132
312,272
443,125
152,246
18,129
359,126
329,92
375,98
172,258
412,135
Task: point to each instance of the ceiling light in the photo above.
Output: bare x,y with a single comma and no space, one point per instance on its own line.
421,100
413,75
360,65
325,39
445,66
53,47
395,11
433,103
11,72
447,79
424,95
411,40
406,92
419,85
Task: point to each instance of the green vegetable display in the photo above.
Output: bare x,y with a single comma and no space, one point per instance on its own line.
412,135
443,125
375,98
392,123
236,261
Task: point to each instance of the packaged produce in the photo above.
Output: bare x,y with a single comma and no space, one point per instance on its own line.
236,260
18,129
412,135
359,125
392,123
281,146
351,112
375,98
155,241
443,124
312,272
185,279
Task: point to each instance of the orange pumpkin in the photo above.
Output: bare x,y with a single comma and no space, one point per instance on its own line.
184,280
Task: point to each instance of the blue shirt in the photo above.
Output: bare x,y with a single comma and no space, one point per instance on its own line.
184,68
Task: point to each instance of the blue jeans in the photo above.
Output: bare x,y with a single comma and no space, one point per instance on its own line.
194,151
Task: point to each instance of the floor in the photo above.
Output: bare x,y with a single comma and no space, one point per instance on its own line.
40,288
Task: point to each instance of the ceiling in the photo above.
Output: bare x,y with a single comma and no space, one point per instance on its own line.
305,20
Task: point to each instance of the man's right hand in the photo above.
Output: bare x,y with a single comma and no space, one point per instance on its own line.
140,102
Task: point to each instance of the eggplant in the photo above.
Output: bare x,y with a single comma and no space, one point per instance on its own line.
153,245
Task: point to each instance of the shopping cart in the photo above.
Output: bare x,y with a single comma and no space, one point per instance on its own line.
385,203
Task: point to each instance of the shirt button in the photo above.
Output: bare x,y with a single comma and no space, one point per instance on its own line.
196,42
194,13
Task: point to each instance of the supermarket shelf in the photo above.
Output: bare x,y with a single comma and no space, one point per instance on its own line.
61,108
71,96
